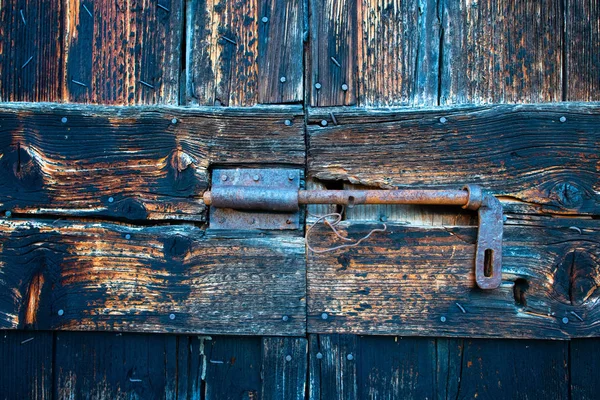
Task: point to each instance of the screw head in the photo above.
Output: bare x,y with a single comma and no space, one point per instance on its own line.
291,176
256,178
317,86
565,320
8,214
324,122
171,316
128,236
443,319
285,318
319,355
282,79
344,87
324,315
265,20
288,358
443,120
287,122
61,312
350,357
224,178
63,120
563,119
111,199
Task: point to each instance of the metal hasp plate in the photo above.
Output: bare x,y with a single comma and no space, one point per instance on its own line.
266,187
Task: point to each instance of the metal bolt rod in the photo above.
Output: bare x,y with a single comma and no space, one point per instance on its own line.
408,196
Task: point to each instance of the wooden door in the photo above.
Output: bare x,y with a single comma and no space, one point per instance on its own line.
114,115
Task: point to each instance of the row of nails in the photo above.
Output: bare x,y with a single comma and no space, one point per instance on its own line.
442,120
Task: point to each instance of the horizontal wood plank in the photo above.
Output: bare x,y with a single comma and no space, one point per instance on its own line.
177,278
420,281
545,155
135,163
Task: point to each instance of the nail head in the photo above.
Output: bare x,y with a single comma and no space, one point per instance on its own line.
565,320
174,121
443,120
265,20
319,355
224,178
128,236
63,120
110,199
256,178
350,357
443,319
288,358
285,318
61,312
317,86
324,315
8,213
324,122
288,122
171,316
563,119
282,79
344,87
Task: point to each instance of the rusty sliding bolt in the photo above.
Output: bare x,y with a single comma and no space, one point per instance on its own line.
488,257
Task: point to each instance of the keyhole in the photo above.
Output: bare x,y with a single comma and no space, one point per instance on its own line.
488,267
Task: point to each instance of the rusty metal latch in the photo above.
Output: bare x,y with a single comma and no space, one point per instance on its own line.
237,195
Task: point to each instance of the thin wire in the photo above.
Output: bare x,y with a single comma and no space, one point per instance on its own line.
331,225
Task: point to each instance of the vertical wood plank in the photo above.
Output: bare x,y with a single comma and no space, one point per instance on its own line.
582,50
501,51
584,367
221,53
123,53
335,370
233,368
26,365
280,49
284,368
191,362
109,366
517,369
398,52
333,52
31,50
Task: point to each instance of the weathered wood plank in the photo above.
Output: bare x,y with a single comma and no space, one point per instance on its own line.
284,366
31,59
26,371
135,163
583,367
101,366
177,278
333,367
416,280
333,52
121,53
497,51
281,51
236,59
190,366
582,80
511,369
398,52
233,368
523,151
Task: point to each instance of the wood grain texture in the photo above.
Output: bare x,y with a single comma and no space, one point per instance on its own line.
398,52
582,80
333,27
583,363
332,374
522,152
122,53
150,167
515,369
27,366
31,50
284,366
175,278
235,59
281,51
119,366
416,281
497,51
